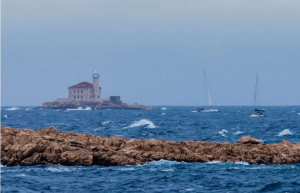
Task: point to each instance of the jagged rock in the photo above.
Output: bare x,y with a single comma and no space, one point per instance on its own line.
248,140
93,105
49,146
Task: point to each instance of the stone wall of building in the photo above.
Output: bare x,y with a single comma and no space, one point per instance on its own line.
80,93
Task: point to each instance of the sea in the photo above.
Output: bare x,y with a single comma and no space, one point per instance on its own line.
165,123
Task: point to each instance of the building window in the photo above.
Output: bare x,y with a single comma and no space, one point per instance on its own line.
90,96
74,91
98,96
81,91
74,97
77,91
90,91
78,96
81,96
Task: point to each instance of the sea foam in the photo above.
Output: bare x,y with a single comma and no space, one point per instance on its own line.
142,122
285,132
164,108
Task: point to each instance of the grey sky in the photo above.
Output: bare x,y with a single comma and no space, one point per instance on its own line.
152,52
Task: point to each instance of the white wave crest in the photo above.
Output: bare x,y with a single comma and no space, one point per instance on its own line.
168,170
194,111
105,122
164,108
242,163
238,132
298,113
126,169
222,132
142,123
214,162
21,175
59,169
164,162
12,109
80,109
5,116
27,109
189,189
163,113
285,132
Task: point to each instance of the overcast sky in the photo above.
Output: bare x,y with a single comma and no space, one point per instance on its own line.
152,51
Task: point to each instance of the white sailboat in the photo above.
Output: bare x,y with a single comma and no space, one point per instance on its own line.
256,112
208,98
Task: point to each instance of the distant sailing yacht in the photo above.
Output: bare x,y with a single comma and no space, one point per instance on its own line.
208,97
257,112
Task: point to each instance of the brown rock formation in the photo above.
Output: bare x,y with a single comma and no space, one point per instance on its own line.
29,147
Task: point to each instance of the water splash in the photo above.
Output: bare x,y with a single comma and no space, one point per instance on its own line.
142,122
285,132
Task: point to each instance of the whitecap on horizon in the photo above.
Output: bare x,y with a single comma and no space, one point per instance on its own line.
12,109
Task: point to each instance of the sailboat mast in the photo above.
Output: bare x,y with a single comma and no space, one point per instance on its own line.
255,90
207,90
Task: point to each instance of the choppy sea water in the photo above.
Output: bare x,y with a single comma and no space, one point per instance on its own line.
169,123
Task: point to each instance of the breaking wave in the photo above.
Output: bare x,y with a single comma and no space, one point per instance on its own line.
238,132
80,109
5,116
142,122
12,109
222,132
164,162
164,108
285,132
105,122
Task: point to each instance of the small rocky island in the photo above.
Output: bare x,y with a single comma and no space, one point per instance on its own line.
87,95
48,146
92,105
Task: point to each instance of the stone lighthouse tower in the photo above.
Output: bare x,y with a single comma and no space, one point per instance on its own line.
96,89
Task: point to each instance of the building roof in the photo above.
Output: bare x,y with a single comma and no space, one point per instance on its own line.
82,85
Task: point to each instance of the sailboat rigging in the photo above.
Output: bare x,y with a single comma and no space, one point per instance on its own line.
208,98
257,112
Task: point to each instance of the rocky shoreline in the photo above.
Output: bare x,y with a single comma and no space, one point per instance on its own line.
48,146
92,105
